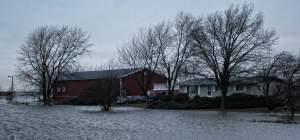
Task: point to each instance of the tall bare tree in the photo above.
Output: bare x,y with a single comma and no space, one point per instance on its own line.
229,44
289,68
106,89
175,55
267,71
49,52
144,52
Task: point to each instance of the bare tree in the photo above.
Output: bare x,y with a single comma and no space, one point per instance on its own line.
267,71
175,55
229,44
48,53
164,48
144,52
289,68
106,89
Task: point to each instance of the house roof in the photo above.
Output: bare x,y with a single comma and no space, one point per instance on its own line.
103,74
253,80
211,81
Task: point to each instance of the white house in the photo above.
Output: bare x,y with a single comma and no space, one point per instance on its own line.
204,87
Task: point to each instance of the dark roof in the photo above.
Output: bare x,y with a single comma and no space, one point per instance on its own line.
253,80
211,81
103,74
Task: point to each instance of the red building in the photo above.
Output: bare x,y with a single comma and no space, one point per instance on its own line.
126,83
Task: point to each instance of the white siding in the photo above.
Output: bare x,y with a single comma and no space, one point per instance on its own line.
247,89
183,89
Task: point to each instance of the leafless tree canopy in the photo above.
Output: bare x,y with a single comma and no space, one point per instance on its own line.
267,71
105,90
289,70
179,50
145,52
230,43
47,53
289,66
164,48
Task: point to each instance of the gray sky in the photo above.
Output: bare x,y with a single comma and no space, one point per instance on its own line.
112,22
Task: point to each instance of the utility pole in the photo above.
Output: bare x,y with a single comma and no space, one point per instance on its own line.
12,83
12,86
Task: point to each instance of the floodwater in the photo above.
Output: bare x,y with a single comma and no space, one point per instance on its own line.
88,123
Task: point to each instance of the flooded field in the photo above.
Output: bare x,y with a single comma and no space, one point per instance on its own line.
88,123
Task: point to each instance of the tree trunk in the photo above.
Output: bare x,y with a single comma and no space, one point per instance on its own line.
44,84
44,94
223,102
106,108
147,98
49,96
292,113
269,105
267,100
170,87
223,98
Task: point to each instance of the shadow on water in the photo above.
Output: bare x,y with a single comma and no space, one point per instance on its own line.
223,114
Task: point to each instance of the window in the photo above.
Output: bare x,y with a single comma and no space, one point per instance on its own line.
58,90
194,89
259,87
249,89
209,90
239,88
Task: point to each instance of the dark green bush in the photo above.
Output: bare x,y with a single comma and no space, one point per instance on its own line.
273,102
181,98
203,102
165,98
183,101
244,101
177,105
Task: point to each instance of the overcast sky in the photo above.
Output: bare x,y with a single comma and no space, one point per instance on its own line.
110,23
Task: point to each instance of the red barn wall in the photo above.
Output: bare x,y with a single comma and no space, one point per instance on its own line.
73,88
129,83
78,88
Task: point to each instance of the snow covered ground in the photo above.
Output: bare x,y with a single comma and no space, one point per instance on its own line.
35,122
